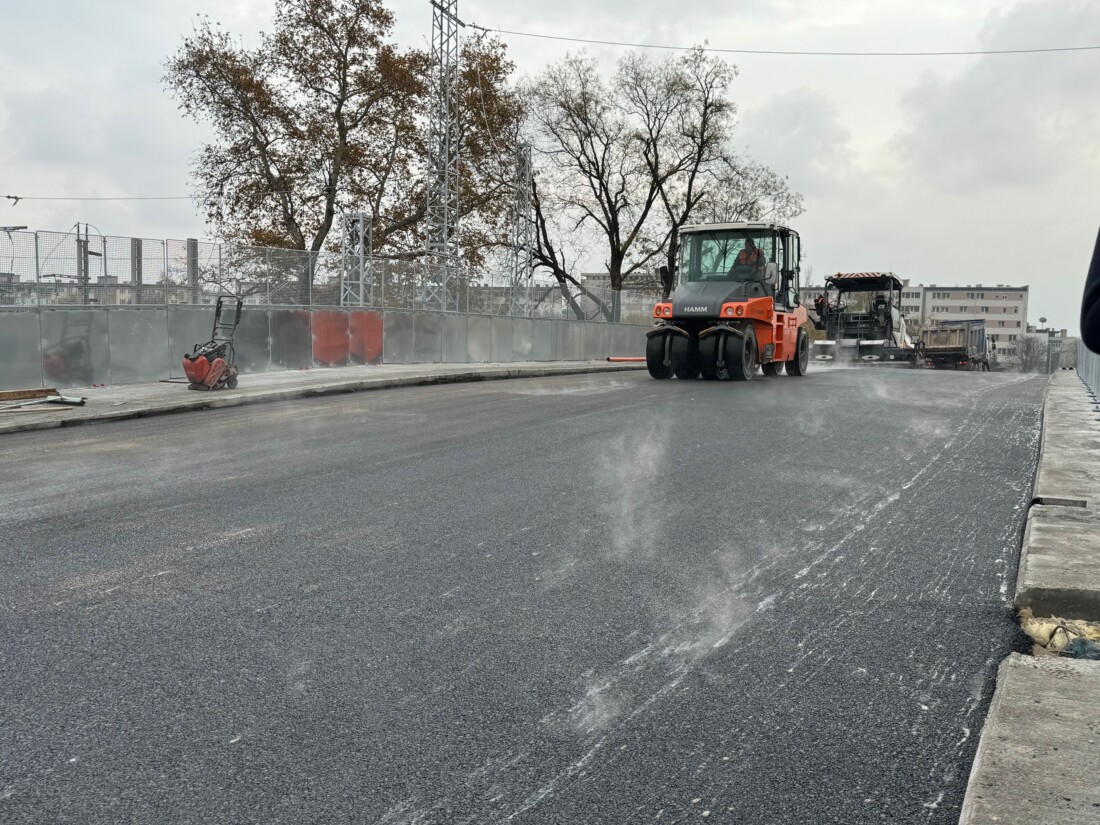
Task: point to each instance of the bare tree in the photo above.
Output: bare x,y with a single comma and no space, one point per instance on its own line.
594,143
1068,358
740,189
1031,353
549,254
697,86
633,161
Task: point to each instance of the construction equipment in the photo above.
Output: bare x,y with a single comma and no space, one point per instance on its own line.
737,306
956,345
213,365
860,313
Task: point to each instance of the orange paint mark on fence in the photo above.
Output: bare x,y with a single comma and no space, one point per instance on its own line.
331,346
365,336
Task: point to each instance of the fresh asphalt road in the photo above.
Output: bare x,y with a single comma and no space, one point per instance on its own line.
586,599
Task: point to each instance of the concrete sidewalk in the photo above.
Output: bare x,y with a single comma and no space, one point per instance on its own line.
1039,754
161,398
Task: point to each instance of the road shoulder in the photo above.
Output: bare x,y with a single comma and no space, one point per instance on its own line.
164,398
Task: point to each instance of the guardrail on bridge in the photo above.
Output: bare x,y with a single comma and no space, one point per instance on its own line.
1088,367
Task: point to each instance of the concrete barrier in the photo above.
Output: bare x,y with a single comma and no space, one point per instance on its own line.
1060,556
1037,759
1060,563
82,346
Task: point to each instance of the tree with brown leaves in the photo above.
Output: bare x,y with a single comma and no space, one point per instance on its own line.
324,116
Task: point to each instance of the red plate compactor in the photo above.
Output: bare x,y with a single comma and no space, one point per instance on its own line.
212,366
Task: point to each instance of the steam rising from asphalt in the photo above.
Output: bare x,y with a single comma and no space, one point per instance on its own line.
700,603
629,477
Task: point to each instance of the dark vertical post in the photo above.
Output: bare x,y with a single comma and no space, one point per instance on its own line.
82,274
193,269
135,270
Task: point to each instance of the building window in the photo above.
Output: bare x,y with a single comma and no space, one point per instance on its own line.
1012,338
985,309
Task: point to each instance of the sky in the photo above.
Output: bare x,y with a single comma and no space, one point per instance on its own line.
946,170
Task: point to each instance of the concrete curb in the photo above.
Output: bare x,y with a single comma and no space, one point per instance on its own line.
1059,573
190,400
1060,563
1036,761
1069,460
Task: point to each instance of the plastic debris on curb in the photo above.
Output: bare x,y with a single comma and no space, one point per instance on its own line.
1063,637
1082,649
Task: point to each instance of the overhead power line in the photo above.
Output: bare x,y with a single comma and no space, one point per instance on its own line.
16,198
787,52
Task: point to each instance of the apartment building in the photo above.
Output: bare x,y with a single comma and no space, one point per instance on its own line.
1002,307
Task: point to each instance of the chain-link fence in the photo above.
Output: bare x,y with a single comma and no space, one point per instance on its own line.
1088,367
76,269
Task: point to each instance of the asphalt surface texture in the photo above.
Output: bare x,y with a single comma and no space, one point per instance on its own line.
582,599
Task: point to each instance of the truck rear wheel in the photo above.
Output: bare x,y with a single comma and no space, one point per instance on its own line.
801,360
655,357
771,369
741,355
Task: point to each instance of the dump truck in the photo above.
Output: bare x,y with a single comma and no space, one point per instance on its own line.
957,345
737,306
860,314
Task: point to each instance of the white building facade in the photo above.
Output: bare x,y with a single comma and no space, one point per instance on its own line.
1002,307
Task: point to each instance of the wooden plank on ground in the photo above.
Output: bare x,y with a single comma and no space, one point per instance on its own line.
26,395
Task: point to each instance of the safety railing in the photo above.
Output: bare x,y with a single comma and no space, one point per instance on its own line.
75,269
1088,367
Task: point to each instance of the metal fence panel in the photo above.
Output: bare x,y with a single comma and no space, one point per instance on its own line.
542,347
138,340
523,339
397,337
573,342
627,340
479,339
252,340
187,326
331,345
291,339
454,339
365,334
502,340
75,351
20,351
1088,367
71,268
428,337
595,341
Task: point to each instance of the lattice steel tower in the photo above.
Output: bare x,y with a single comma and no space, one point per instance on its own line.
523,233
442,217
356,286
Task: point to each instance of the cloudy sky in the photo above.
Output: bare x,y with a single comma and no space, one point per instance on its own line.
946,170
